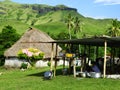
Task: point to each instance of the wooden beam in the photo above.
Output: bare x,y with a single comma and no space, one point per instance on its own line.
105,52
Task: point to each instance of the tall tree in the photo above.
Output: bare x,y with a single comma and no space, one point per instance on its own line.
77,26
70,24
114,30
8,36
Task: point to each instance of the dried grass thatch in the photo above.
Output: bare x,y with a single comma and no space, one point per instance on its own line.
32,38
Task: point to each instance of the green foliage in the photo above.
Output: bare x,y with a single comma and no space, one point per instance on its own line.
21,55
69,24
2,59
49,63
21,16
19,26
53,28
8,37
114,30
30,54
24,66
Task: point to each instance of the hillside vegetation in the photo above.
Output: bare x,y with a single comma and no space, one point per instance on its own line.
46,18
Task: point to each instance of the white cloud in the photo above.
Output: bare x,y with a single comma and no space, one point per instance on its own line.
107,2
99,17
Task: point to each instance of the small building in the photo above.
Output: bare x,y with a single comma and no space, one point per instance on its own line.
31,39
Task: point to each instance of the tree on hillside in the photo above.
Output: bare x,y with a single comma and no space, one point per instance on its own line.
8,37
77,26
114,30
70,24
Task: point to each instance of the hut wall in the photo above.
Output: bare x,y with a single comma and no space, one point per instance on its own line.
41,63
16,63
13,62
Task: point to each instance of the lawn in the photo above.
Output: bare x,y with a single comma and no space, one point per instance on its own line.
32,79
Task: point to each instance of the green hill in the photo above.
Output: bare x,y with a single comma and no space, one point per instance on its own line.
46,18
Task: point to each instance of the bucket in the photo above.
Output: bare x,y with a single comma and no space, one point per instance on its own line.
95,74
82,74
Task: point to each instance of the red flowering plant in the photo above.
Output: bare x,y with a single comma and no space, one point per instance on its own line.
30,54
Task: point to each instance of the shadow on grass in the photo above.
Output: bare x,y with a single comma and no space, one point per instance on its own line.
41,74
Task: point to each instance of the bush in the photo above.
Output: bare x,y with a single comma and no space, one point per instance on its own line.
49,63
30,54
24,66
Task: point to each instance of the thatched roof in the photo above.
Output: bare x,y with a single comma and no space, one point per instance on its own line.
32,38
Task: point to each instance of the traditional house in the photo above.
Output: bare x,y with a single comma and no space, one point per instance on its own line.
31,39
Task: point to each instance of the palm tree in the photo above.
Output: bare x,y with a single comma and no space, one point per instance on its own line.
77,26
69,24
114,30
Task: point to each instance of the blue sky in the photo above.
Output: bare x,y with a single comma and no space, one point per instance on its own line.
89,8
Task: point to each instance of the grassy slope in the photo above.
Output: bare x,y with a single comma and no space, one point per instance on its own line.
97,27
20,27
53,28
52,22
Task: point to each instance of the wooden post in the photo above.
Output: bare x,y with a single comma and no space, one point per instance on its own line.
55,60
74,67
51,60
105,51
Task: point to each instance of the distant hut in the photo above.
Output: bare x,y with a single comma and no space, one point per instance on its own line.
31,39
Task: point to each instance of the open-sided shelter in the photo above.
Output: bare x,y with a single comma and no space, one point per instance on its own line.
104,41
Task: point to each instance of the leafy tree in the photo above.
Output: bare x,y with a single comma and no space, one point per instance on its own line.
8,37
62,36
114,30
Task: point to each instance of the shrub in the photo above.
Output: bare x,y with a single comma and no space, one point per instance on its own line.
30,54
24,65
49,63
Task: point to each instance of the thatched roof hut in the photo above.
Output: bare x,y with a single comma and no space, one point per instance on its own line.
32,39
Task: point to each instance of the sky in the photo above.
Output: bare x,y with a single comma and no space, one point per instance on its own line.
98,9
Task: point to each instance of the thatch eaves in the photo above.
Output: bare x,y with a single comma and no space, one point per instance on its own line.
32,39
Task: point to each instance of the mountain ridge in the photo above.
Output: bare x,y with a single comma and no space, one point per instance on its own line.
42,16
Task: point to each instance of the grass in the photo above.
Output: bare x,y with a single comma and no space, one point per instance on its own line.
32,79
53,28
